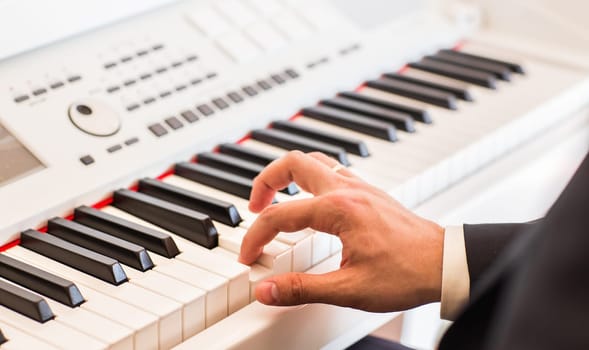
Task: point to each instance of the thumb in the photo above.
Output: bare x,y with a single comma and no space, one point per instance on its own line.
294,289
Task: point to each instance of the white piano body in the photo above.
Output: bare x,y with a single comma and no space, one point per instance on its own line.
62,54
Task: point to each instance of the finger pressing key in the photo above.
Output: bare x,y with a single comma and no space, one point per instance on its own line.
310,212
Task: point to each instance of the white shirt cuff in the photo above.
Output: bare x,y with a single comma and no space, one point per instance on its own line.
455,277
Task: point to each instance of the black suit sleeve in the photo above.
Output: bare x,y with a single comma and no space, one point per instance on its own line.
485,242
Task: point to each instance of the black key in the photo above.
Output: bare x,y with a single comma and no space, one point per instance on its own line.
153,240
420,115
416,92
37,280
238,167
294,142
182,221
24,302
514,67
230,164
500,71
400,120
353,146
246,153
126,252
87,261
218,210
352,121
473,76
236,185
2,338
462,94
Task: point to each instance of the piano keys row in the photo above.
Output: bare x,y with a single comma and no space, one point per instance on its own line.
159,265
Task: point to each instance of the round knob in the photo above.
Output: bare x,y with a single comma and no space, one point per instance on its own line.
94,117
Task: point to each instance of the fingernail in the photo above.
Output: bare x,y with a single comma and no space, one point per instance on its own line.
268,293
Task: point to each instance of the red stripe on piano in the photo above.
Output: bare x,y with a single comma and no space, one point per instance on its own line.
9,245
460,45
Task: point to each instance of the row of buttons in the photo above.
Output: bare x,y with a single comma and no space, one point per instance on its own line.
158,129
129,58
88,159
42,91
193,82
148,75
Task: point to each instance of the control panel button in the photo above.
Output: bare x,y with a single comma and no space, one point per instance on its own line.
205,110
174,123
94,117
114,148
87,160
189,116
220,103
21,98
157,129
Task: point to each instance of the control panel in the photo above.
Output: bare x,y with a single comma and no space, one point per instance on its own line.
98,110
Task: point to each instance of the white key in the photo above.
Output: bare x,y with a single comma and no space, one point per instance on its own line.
214,285
118,337
209,22
143,324
258,273
181,268
168,312
20,340
276,256
52,332
301,243
321,246
191,298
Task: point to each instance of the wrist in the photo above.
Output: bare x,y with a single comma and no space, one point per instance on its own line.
434,263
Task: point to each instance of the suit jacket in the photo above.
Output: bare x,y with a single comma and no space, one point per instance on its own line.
529,282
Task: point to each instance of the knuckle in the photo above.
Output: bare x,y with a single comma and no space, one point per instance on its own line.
297,289
269,212
343,201
294,156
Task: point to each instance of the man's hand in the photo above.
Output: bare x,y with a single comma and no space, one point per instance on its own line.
391,258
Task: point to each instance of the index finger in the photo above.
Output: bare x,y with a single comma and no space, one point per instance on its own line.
309,173
287,217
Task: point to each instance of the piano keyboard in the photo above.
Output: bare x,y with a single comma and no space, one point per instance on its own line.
155,266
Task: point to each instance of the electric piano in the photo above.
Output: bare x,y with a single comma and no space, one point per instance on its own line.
130,134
